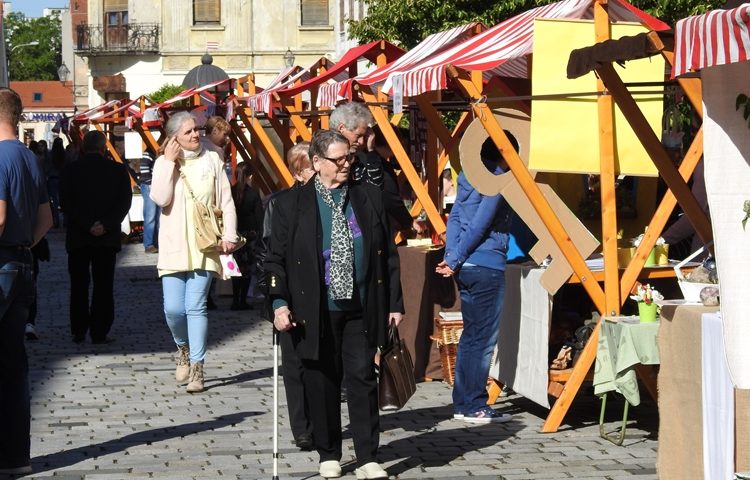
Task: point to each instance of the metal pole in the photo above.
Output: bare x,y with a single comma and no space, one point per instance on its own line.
3,52
275,404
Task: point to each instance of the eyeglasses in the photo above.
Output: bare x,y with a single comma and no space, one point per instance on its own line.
340,161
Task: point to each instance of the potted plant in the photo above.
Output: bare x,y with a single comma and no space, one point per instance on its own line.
646,298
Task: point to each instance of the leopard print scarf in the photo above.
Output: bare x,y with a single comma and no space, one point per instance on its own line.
342,244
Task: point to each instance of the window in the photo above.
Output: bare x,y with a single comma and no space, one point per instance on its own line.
37,97
116,23
314,12
206,12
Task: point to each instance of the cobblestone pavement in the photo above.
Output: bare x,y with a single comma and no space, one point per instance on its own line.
113,411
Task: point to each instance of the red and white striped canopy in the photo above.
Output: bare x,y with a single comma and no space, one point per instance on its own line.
504,49
715,38
329,94
108,109
203,91
261,101
343,68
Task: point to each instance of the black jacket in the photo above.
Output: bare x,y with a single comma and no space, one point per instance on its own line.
375,170
94,188
294,264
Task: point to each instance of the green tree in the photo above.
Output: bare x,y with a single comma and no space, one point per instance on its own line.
408,22
33,62
165,92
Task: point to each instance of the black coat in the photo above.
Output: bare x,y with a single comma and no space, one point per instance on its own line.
294,264
94,188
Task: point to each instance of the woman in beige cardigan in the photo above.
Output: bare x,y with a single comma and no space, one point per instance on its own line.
186,271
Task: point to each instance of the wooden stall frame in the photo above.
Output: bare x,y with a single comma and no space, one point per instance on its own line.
609,299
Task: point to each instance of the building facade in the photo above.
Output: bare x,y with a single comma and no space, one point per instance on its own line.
128,48
45,103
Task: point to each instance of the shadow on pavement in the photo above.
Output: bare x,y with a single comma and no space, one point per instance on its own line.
239,378
66,458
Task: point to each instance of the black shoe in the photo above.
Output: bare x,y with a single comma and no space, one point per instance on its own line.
102,341
210,304
79,338
304,442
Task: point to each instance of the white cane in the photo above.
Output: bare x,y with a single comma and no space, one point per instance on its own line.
275,404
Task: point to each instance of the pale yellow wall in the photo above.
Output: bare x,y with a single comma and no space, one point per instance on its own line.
253,37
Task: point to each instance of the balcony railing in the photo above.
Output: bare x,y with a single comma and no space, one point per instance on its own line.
130,39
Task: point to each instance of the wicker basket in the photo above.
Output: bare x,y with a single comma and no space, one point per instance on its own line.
448,334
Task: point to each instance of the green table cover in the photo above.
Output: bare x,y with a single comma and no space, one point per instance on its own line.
621,347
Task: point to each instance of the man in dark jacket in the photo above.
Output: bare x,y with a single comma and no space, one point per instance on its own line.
352,121
95,194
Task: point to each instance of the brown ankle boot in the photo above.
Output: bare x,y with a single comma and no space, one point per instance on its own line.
182,372
196,378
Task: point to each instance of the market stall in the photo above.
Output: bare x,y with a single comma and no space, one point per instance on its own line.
492,69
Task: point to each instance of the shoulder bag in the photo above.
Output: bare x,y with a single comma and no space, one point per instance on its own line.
207,221
396,384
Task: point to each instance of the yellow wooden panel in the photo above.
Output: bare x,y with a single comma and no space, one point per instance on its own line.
565,131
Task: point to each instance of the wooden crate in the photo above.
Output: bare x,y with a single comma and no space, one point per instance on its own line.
447,336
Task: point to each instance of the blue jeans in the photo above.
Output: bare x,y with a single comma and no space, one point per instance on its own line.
151,213
482,291
185,296
16,296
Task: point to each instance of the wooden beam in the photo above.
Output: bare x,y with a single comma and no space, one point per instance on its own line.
255,160
659,219
691,86
381,117
299,124
577,376
656,151
534,194
607,176
272,156
260,174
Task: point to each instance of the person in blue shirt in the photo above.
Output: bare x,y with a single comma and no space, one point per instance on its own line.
475,252
25,217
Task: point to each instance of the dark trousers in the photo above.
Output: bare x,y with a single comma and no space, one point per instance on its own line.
95,264
240,287
292,371
16,296
343,351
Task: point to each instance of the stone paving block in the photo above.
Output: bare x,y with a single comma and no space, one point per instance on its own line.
99,408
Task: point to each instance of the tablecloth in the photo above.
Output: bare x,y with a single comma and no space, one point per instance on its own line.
621,347
522,355
425,293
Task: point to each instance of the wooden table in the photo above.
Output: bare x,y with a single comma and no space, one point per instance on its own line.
425,294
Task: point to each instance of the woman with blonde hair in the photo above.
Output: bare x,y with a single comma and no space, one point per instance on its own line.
186,173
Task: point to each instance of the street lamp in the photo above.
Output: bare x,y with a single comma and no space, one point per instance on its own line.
62,73
289,58
32,43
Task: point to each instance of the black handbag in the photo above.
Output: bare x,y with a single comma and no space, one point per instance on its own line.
396,384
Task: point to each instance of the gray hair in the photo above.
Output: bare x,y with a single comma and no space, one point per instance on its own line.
351,115
323,139
176,121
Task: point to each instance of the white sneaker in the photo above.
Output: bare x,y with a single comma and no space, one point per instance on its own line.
330,469
370,470
31,332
